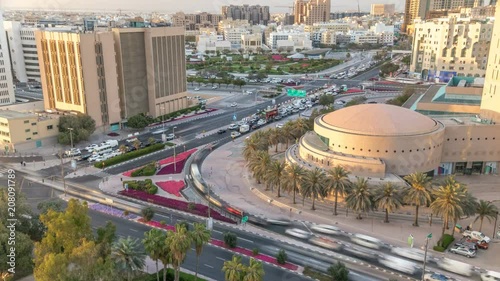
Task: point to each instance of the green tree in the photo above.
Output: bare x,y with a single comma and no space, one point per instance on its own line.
54,204
123,148
259,164
82,127
485,210
406,60
281,257
338,183
254,271
388,198
293,178
233,270
418,192
359,198
447,202
313,185
151,140
408,91
147,213
274,136
137,144
326,100
230,239
24,249
348,55
275,174
212,81
106,235
338,272
356,101
165,255
138,121
128,257
180,243
190,79
153,241
200,237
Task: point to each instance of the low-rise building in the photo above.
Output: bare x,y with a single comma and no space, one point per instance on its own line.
290,39
233,35
251,41
24,130
211,43
383,10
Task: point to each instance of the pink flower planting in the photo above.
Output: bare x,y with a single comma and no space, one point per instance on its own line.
173,168
261,257
157,224
172,187
179,157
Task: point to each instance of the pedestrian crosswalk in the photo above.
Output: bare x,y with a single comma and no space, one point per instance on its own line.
102,174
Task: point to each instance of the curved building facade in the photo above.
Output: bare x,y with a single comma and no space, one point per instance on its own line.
372,140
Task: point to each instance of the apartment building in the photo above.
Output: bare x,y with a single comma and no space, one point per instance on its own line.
455,45
211,43
230,23
490,103
20,130
233,35
254,14
290,40
383,10
6,80
328,26
151,70
309,12
450,4
78,74
251,41
414,9
195,21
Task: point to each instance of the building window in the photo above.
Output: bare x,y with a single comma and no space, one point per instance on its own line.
33,124
50,127
26,121
28,138
27,130
35,133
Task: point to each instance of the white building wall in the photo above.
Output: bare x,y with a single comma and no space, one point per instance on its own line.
13,30
6,81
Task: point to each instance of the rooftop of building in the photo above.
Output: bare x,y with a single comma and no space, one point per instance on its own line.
316,51
11,114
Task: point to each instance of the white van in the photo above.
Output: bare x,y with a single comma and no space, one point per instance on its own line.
103,149
490,276
112,143
366,241
455,266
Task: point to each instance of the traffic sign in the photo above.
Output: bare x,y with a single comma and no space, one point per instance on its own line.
244,219
291,92
429,236
234,117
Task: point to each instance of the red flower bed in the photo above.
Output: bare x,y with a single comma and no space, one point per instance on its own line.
200,210
173,168
261,257
157,224
172,187
179,157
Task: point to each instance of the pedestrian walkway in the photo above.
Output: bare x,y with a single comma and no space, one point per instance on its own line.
225,170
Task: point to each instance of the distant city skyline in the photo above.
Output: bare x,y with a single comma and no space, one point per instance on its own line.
170,6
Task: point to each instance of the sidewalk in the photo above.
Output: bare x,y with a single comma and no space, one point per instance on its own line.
225,170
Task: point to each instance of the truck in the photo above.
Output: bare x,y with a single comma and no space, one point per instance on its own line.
476,235
244,128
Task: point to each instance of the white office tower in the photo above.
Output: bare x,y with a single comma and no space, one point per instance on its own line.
6,84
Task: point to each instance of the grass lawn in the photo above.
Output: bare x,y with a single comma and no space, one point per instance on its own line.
170,276
316,275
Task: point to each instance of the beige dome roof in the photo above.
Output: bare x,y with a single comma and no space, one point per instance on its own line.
380,119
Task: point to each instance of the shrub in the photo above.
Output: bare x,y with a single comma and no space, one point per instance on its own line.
147,213
191,206
230,239
145,185
446,240
185,224
255,251
129,155
163,222
438,249
126,213
148,170
281,257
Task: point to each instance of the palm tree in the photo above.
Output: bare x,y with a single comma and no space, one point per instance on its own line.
275,174
447,202
274,136
136,144
300,127
165,255
200,237
259,164
153,241
485,210
314,185
254,271
359,198
180,243
233,269
388,198
251,146
127,256
338,182
122,148
294,174
418,193
287,132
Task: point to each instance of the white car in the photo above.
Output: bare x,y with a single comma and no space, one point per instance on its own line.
131,140
261,122
235,134
233,127
72,152
340,102
214,87
299,233
476,235
158,132
196,89
91,147
279,125
325,243
435,277
326,229
170,137
94,158
234,104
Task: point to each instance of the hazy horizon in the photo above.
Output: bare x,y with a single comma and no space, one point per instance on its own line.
170,6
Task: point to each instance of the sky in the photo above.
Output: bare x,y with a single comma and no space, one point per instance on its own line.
172,6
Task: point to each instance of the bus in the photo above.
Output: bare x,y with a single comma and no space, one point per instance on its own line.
103,149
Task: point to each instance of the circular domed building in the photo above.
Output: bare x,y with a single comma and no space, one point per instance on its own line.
372,140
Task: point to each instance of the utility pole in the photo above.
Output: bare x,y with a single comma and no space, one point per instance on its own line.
429,236
62,172
71,136
175,163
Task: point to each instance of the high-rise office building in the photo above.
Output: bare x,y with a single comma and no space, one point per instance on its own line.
196,21
151,70
414,9
78,73
490,103
311,11
255,14
450,4
383,10
6,82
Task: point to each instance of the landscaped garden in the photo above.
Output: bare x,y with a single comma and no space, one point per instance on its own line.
172,187
146,185
196,209
129,155
173,168
148,170
178,157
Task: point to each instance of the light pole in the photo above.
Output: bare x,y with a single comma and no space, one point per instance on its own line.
175,163
71,136
72,152
429,236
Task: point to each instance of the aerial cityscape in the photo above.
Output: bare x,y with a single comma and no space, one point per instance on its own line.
292,140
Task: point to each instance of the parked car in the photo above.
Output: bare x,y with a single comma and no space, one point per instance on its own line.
91,147
221,131
464,242
476,235
131,140
72,152
279,125
464,251
196,89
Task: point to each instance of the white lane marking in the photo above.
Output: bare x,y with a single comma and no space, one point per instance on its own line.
245,240
134,230
217,231
207,265
219,258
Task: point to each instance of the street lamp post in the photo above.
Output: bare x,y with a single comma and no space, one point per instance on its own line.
495,228
429,236
175,163
71,136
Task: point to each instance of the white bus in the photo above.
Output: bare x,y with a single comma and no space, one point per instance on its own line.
103,149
